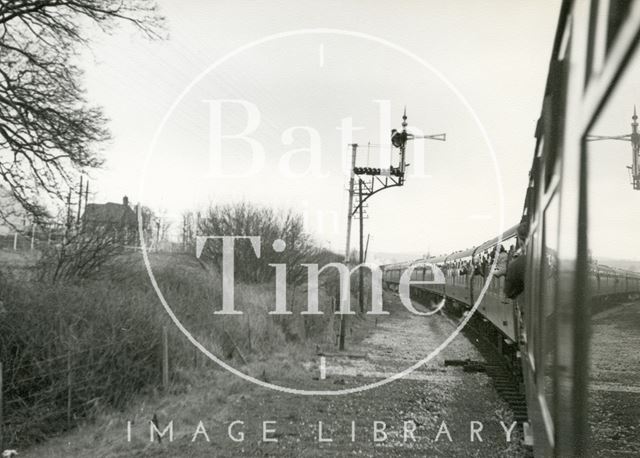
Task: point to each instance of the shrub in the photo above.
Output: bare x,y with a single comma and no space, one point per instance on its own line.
244,219
108,329
79,256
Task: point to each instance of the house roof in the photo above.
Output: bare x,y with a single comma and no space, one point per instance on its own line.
110,213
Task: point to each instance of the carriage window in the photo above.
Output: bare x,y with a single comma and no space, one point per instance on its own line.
548,291
553,121
534,179
613,211
428,274
532,328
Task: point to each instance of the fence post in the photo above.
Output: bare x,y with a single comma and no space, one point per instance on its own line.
68,389
165,358
249,332
1,417
33,234
15,240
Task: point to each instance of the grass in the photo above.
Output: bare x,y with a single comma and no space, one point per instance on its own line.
108,331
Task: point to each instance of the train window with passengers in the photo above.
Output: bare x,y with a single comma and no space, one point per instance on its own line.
612,155
440,265
465,265
484,261
417,273
428,273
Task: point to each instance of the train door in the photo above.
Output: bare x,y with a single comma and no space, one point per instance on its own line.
597,42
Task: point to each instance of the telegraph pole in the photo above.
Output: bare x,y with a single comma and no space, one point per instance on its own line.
79,203
361,257
343,319
354,148
69,221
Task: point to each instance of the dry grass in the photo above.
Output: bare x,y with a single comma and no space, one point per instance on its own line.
110,329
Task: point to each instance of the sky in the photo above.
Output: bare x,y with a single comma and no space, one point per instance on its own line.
464,68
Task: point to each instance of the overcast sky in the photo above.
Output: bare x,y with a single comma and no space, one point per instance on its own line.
495,53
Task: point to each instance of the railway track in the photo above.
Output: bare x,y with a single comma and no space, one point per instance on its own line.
506,377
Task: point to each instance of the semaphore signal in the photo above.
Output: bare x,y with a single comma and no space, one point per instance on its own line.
634,138
391,171
372,180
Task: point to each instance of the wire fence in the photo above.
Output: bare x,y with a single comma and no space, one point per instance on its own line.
33,241
41,397
50,380
37,241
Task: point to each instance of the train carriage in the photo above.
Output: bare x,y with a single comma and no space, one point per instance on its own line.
464,283
577,322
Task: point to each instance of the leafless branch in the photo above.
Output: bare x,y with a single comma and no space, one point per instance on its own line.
48,130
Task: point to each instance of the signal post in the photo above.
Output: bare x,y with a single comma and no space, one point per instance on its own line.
371,181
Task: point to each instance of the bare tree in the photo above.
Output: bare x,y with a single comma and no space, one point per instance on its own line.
163,226
250,220
48,130
80,255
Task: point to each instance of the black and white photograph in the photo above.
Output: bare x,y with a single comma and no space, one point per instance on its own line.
302,228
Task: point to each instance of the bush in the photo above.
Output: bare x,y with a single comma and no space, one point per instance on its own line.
108,329
94,327
79,256
97,339
244,219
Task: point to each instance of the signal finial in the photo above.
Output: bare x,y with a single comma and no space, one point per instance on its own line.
404,118
635,116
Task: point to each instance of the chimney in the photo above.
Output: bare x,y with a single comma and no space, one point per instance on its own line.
125,201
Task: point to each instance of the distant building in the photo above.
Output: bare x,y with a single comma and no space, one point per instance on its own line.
120,219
